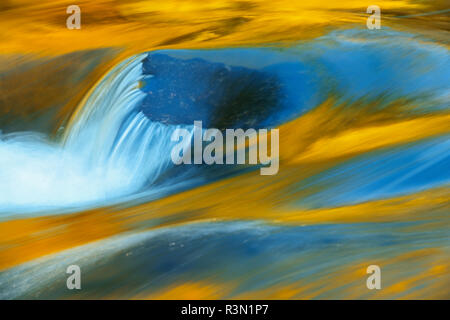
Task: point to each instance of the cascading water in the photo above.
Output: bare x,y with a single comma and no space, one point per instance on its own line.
110,150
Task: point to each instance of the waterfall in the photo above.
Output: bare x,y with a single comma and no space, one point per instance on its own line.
110,149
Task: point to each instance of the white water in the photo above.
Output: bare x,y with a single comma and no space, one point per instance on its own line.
111,150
